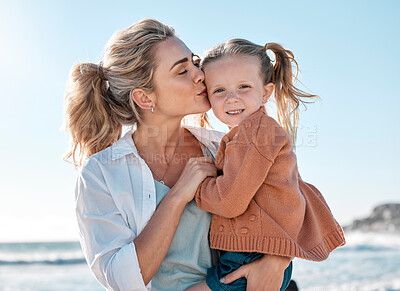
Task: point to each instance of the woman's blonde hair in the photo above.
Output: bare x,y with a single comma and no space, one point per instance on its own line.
287,96
97,100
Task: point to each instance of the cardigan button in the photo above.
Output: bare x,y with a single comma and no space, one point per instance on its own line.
221,228
244,230
252,217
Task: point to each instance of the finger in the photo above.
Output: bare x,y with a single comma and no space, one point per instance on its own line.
209,168
212,172
239,273
206,171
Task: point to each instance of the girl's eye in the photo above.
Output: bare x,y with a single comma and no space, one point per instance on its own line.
244,86
184,72
218,90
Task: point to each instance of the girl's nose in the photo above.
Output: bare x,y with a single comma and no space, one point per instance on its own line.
232,97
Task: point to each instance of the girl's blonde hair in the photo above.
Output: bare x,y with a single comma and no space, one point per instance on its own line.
287,96
97,99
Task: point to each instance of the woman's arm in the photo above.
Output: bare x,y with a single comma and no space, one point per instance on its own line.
264,274
119,259
153,242
106,238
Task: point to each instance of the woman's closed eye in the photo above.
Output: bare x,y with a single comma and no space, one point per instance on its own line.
196,63
183,72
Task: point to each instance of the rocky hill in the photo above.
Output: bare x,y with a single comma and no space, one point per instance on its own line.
384,218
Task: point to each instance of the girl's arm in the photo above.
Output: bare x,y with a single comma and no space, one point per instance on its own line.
244,171
248,152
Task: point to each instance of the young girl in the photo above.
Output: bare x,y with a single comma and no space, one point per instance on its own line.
259,201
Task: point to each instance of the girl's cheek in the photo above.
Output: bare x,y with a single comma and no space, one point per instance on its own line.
214,103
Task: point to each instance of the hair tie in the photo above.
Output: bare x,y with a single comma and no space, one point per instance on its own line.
112,98
265,48
100,70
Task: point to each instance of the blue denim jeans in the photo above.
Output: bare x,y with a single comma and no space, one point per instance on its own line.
231,261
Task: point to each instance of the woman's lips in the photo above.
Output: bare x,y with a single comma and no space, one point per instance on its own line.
203,93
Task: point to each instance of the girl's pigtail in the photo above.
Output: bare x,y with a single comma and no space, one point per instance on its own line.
204,121
88,112
287,96
200,119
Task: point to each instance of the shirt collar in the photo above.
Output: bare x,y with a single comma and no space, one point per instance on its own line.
210,138
125,145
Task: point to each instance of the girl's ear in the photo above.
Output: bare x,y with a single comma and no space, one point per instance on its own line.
142,99
268,89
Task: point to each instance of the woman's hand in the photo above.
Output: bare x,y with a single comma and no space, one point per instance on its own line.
264,274
195,171
153,242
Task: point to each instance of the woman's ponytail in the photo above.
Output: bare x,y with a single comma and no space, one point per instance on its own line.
88,114
287,96
97,100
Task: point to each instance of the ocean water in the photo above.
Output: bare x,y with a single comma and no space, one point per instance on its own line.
368,262
45,266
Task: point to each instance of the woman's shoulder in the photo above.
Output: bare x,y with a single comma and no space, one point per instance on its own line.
108,156
95,161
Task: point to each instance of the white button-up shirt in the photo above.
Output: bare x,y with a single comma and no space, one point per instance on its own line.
115,198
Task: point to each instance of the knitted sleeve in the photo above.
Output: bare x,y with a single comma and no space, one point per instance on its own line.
244,171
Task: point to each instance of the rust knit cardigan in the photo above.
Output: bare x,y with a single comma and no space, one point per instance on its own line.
259,202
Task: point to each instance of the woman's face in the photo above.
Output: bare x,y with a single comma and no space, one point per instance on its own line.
179,88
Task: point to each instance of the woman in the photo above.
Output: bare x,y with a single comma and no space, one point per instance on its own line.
138,224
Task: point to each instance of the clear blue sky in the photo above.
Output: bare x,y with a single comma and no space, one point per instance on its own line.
348,53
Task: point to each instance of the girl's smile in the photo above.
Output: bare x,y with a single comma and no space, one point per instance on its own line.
235,87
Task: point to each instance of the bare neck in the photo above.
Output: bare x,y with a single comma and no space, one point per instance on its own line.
160,139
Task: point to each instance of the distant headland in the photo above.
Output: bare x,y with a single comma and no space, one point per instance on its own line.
384,218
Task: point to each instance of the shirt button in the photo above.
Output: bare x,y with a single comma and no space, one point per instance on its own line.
221,228
252,217
244,230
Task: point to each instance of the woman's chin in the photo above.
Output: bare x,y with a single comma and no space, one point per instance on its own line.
203,105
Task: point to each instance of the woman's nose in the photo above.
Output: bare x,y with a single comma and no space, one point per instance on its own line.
199,77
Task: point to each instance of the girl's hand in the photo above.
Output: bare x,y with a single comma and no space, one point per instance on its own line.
264,274
195,171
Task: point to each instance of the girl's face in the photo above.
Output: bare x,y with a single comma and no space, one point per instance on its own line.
179,88
235,87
